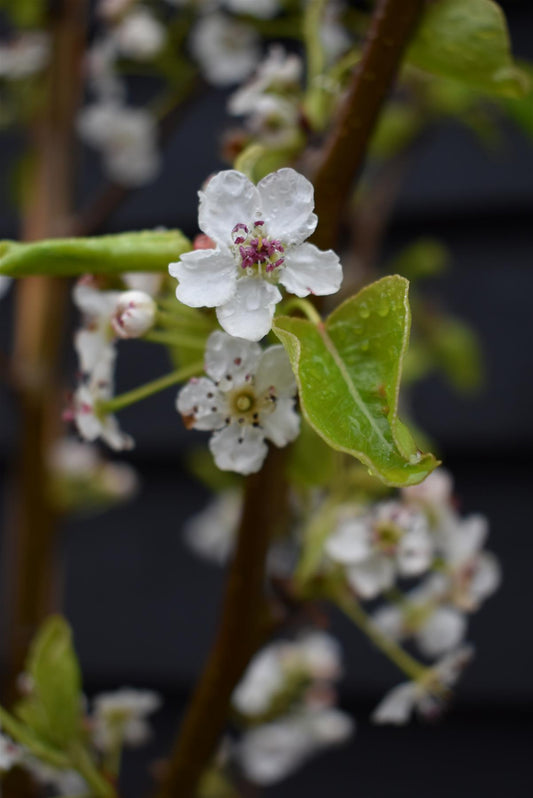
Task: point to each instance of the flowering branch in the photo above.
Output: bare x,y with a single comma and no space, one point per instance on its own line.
392,25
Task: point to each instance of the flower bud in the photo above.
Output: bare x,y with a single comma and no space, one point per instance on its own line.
134,314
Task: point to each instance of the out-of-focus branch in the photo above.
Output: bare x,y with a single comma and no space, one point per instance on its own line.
31,539
391,27
240,630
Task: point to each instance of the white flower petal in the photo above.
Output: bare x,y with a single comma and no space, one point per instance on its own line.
282,425
464,539
275,370
91,346
389,621
272,751
287,202
229,360
239,448
201,400
207,277
249,313
397,705
351,542
450,667
330,726
486,578
211,532
263,678
371,577
415,552
228,199
442,632
308,270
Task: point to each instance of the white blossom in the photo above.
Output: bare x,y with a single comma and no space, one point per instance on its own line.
24,56
119,718
377,545
255,8
134,314
259,232
149,282
264,677
63,782
274,750
10,753
278,75
126,138
428,695
139,35
246,399
90,421
211,533
227,50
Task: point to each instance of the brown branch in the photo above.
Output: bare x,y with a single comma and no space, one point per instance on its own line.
31,537
391,28
241,625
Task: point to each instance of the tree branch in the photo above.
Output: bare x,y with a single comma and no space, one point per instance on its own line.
239,632
392,25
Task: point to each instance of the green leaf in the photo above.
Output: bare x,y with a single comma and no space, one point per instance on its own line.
146,251
53,710
25,13
348,371
25,736
426,257
468,40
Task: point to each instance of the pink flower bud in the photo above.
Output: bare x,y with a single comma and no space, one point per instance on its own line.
134,314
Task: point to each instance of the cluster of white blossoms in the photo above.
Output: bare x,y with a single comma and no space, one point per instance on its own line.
119,718
107,316
258,234
287,697
24,56
247,398
271,100
418,535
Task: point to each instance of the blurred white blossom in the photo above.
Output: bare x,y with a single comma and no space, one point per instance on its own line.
140,35
227,50
24,56
120,717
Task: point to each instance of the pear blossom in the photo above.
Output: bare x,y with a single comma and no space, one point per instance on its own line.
259,233
246,399
24,56
126,138
279,74
96,335
436,627
62,782
149,282
134,314
10,753
211,533
426,696
255,8
226,50
119,717
377,545
274,750
313,656
84,411
139,35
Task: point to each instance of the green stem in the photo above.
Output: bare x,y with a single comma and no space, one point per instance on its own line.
316,62
172,338
305,307
346,602
176,319
150,388
83,764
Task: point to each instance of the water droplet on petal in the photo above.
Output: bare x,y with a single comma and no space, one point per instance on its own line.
364,312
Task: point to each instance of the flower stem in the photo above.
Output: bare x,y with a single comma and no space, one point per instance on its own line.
346,602
150,388
305,307
83,764
172,338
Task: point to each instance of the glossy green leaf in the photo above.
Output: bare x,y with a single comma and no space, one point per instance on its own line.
468,40
348,371
53,709
146,251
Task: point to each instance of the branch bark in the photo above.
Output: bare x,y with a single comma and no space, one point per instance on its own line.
392,25
239,632
32,573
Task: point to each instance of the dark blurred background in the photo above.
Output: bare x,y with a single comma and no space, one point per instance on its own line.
144,608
